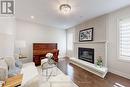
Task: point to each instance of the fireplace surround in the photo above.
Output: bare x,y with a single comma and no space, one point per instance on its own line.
100,49
86,54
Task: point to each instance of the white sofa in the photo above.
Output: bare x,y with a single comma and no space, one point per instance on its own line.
3,69
29,71
30,75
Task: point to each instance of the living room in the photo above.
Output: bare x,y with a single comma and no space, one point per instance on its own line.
88,42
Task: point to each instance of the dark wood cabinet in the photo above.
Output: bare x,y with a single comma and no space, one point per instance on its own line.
41,49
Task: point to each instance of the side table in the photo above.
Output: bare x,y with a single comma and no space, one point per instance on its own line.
14,81
23,59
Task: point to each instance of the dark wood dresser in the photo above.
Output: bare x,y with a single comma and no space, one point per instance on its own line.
41,49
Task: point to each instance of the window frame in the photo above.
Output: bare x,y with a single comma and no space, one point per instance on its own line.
121,58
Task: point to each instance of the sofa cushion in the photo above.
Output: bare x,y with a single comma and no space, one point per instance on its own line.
18,63
3,70
10,62
30,75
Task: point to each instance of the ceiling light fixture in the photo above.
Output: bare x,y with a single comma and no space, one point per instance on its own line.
65,8
32,17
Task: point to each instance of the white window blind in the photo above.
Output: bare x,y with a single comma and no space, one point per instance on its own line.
124,36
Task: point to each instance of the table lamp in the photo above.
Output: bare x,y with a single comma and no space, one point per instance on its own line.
20,44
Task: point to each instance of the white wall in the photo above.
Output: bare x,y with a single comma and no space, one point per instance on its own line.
7,28
7,25
99,25
115,65
36,33
106,30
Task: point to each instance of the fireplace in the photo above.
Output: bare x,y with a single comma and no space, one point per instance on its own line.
86,54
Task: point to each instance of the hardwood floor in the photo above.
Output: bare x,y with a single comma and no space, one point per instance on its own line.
84,78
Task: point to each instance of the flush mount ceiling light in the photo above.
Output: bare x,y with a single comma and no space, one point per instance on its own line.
32,17
65,8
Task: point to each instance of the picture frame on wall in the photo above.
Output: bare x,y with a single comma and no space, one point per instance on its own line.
86,35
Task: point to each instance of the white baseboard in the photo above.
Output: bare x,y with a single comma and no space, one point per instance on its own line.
125,75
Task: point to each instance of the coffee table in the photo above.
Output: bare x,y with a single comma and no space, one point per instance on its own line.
49,69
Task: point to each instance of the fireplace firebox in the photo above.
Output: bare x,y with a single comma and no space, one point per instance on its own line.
86,54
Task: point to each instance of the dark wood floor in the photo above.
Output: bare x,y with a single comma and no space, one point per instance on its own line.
84,78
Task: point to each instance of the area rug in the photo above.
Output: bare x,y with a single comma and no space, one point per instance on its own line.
57,78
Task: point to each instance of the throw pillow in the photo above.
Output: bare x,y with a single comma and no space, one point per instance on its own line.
18,63
14,71
3,70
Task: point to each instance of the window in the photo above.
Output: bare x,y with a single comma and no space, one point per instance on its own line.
124,39
70,41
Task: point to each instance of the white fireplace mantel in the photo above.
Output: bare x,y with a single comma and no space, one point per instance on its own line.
91,42
100,49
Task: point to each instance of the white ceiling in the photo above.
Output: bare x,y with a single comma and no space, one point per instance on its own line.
47,11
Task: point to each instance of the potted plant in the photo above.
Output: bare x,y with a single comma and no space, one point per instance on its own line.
99,61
